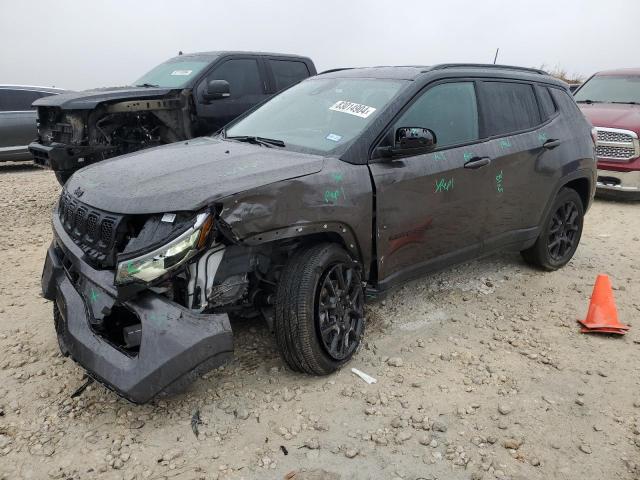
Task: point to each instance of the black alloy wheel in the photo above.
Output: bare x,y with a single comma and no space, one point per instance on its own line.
340,311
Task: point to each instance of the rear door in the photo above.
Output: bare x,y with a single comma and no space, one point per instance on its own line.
248,87
17,120
521,167
430,209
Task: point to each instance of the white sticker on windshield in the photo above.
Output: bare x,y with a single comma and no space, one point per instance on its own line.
362,111
184,73
333,137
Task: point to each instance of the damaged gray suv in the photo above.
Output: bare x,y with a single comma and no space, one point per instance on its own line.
343,186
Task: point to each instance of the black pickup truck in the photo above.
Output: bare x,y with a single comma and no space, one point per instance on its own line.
187,96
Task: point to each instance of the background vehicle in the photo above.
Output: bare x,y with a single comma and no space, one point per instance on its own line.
351,180
18,119
187,96
611,101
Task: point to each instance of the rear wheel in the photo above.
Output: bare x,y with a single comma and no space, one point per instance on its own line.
560,234
319,309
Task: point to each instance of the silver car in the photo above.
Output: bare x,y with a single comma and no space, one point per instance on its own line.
18,119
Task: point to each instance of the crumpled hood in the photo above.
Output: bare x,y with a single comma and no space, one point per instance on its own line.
185,176
613,115
89,99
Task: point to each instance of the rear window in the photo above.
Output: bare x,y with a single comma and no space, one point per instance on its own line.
509,107
546,103
287,72
19,100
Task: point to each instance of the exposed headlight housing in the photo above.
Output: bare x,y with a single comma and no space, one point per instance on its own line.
152,265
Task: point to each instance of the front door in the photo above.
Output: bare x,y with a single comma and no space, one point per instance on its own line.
247,88
430,208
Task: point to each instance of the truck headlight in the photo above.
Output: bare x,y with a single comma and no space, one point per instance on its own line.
154,264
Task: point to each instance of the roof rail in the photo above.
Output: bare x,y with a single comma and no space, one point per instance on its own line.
443,66
331,70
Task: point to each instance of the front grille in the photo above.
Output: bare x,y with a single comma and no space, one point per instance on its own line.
610,136
618,153
616,144
96,232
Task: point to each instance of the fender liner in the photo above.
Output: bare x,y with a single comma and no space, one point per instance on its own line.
306,229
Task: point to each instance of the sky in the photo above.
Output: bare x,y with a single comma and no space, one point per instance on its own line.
80,44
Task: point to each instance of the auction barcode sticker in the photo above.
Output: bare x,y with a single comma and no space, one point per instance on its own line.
185,73
357,109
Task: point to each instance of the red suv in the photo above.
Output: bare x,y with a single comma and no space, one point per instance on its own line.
611,101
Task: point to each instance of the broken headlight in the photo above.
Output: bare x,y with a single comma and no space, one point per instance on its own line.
154,264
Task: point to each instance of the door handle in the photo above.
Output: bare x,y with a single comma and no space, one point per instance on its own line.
477,162
550,144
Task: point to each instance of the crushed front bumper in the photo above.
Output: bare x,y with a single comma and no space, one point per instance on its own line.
60,157
622,184
176,344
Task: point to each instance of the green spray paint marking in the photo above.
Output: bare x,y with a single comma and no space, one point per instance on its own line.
505,143
499,184
542,136
438,156
444,185
131,269
93,296
332,196
159,320
467,156
338,177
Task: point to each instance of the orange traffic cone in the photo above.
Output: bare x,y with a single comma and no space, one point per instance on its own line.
603,315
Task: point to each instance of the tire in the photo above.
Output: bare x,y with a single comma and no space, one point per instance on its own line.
320,286
62,176
560,233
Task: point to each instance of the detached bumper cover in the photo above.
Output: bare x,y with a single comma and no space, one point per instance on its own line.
619,182
175,341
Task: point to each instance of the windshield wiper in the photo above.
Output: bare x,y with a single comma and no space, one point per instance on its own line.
628,103
148,85
589,101
267,142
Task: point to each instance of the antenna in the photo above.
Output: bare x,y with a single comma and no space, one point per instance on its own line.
496,57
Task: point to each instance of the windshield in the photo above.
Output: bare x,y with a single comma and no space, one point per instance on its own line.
319,114
610,89
174,73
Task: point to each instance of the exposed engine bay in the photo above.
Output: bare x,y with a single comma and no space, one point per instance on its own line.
81,137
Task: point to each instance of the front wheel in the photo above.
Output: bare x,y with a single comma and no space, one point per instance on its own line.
560,234
319,309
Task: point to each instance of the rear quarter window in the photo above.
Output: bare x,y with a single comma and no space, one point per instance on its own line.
288,72
547,107
509,107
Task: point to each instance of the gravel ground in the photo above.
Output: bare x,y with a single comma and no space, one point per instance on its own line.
482,373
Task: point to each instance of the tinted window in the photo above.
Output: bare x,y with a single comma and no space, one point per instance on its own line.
16,100
449,109
286,72
510,107
243,76
546,103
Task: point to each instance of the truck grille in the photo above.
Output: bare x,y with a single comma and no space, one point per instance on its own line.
94,231
617,145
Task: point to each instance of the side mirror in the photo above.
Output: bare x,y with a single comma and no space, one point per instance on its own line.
410,141
411,138
217,89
